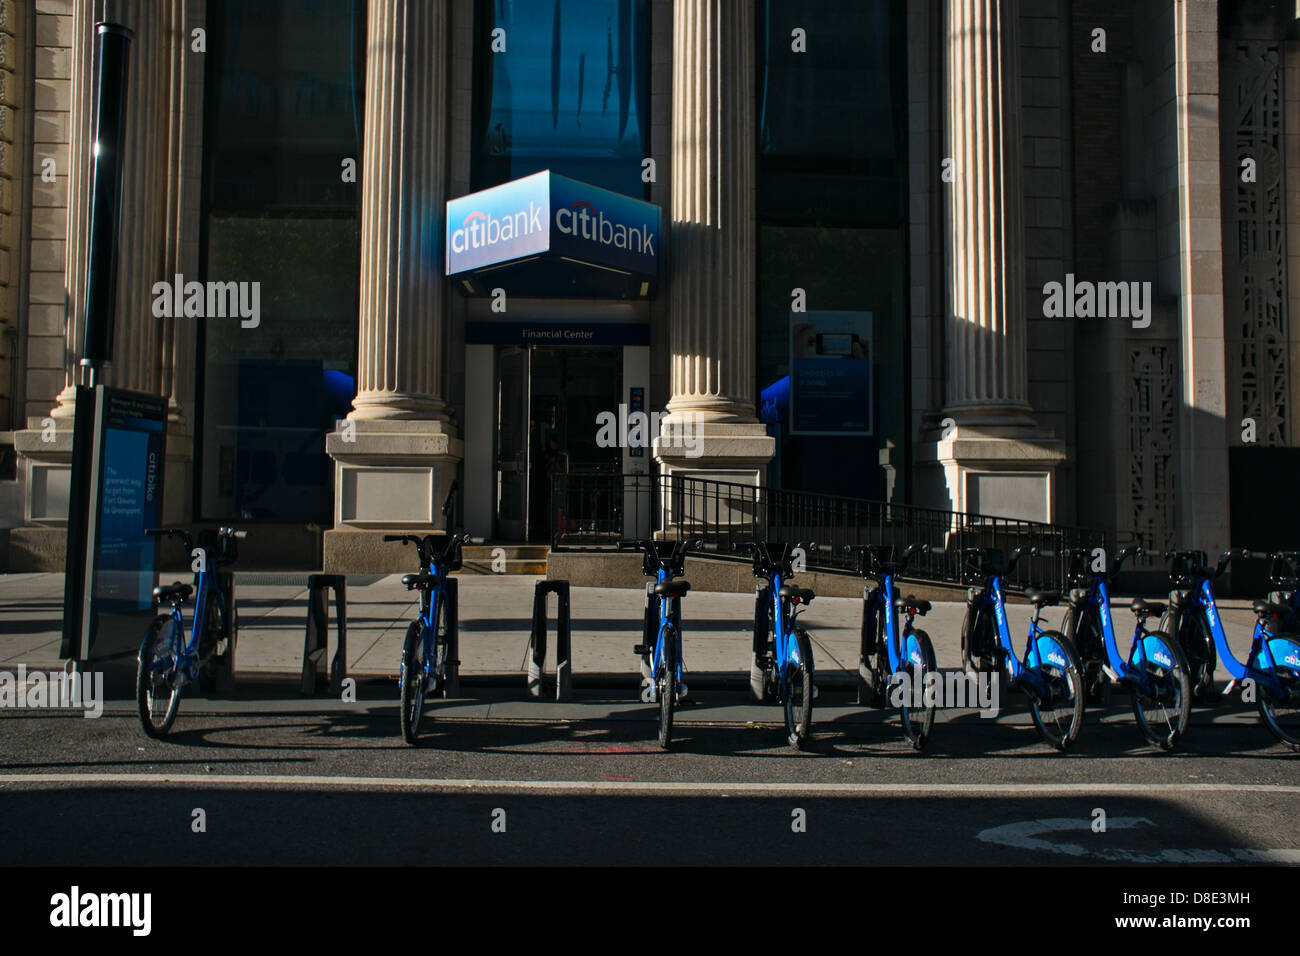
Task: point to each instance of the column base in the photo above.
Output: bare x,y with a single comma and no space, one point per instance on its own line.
389,476
1002,472
720,451
714,451
48,470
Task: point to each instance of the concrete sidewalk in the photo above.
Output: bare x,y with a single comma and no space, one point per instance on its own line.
496,616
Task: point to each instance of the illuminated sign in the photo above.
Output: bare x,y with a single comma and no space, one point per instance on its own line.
560,218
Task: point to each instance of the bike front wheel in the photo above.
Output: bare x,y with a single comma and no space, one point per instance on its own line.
1280,712
799,693
1058,714
1164,709
158,676
918,705
413,682
666,686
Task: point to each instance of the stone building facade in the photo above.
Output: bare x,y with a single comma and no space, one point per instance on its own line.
934,166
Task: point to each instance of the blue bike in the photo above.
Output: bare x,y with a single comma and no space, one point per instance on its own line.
885,653
1155,671
1049,670
166,661
1273,662
425,650
664,619
784,668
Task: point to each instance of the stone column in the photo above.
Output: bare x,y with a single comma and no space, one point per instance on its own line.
81,163
989,455
712,282
396,452
137,341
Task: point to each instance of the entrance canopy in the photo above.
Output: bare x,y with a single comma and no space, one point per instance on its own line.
550,236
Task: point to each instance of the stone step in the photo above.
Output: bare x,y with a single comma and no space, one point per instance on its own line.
519,558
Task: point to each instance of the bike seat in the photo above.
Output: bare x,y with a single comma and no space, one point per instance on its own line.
174,592
796,593
1144,608
913,604
1044,598
418,582
1270,609
672,589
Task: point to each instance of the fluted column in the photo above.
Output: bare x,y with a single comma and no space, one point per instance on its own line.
403,308
396,452
711,286
986,454
138,339
987,355
80,164
711,289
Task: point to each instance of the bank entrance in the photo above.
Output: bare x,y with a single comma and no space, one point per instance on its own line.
548,399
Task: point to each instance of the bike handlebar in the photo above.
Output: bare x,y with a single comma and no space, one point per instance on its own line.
870,562
426,544
673,562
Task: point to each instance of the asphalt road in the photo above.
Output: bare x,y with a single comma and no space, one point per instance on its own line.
584,783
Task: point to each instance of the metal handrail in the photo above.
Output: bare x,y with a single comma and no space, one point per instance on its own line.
592,512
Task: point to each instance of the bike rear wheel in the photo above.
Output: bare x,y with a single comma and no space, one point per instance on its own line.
1281,715
799,693
157,676
1163,713
1090,649
1059,714
918,718
666,686
1197,644
413,681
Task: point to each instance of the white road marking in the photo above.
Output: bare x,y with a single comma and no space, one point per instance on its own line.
642,786
1027,835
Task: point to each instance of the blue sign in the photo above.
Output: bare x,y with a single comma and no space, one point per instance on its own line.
553,215
830,373
130,500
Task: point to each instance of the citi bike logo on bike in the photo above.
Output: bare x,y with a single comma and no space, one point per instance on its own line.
1162,659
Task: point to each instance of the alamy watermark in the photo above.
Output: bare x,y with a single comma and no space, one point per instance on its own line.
1098,300
947,690
638,429
211,300
52,690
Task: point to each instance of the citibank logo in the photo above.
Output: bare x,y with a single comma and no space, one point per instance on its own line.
480,230
583,221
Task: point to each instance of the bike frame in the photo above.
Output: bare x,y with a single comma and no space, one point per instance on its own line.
993,601
1133,669
1201,601
882,601
207,582
787,650
672,617
430,600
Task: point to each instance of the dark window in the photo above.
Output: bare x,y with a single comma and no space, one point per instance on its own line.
570,93
832,201
284,95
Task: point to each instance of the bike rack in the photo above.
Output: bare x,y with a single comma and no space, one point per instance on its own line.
866,646
226,674
316,639
762,624
451,682
563,641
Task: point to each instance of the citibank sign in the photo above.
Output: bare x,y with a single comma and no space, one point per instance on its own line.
550,215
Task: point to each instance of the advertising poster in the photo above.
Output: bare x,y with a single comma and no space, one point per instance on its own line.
830,373
131,489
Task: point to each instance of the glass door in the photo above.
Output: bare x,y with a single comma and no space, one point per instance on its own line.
513,434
